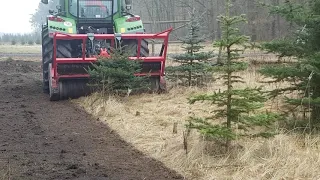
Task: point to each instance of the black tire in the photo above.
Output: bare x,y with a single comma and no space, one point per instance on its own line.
47,52
64,49
131,47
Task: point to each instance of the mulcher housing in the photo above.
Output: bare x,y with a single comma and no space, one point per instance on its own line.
83,30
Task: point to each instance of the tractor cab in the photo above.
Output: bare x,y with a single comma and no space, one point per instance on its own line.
75,16
92,9
94,13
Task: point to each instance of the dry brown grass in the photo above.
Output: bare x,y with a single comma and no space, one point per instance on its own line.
147,122
150,131
176,48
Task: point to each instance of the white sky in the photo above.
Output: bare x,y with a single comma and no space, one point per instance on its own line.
15,15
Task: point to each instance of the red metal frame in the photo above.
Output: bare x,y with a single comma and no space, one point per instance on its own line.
84,37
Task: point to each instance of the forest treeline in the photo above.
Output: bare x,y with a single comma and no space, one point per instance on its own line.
21,39
261,26
160,15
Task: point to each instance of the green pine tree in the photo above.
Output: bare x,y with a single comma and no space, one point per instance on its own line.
115,74
13,42
192,64
236,106
303,43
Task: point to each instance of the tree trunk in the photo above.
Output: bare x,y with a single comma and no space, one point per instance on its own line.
229,90
229,96
315,112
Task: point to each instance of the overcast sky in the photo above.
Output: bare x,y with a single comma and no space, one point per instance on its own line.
15,15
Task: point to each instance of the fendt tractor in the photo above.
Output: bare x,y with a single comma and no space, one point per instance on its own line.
80,31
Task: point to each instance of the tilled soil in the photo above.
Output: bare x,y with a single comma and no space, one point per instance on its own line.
55,140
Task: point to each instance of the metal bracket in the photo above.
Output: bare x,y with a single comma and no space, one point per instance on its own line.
118,38
91,38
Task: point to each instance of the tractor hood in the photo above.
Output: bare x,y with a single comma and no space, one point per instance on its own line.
129,24
61,24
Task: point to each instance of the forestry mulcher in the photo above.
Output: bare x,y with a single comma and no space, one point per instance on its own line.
80,31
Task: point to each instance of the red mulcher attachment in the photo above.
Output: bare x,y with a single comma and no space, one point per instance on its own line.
68,77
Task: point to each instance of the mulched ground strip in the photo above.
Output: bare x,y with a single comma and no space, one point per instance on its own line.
55,140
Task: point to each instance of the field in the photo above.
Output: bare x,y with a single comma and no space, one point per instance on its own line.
132,137
56,140
147,122
19,49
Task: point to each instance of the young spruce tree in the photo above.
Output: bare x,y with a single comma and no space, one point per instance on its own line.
192,64
303,43
115,74
235,106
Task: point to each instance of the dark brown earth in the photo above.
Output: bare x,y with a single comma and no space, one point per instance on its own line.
55,140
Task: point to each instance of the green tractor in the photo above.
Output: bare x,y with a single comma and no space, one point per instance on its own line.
87,17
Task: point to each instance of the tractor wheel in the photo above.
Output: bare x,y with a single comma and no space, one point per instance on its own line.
131,47
64,49
47,52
